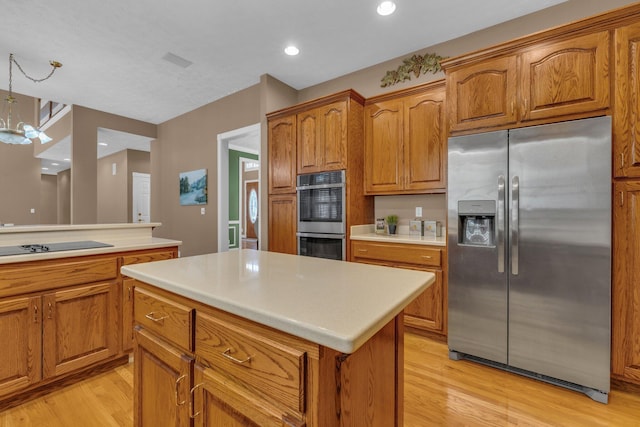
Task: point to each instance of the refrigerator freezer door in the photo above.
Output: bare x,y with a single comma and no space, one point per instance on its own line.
560,299
477,288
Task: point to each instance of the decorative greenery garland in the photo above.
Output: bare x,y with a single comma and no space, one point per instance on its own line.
417,64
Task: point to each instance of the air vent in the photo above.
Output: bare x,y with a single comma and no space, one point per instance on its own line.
176,60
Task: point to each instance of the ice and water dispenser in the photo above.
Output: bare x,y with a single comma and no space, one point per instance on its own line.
476,222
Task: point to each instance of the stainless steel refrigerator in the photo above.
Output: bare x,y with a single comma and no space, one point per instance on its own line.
529,247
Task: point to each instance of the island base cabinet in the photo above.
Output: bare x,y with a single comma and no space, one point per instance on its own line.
162,383
20,329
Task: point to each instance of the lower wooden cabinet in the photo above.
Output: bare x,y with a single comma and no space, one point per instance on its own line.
428,310
162,383
625,295
283,223
21,332
126,301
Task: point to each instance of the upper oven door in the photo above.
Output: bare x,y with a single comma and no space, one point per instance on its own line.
321,203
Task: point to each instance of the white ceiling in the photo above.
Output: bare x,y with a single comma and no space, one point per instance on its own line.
112,51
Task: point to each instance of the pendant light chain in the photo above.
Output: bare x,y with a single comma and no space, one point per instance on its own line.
54,64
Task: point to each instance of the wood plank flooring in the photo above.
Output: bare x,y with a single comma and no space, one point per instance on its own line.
438,392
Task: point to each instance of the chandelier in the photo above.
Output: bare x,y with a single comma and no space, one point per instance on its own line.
20,132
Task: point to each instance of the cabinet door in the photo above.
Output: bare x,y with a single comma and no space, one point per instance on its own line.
426,311
282,155
625,296
567,77
21,332
425,141
127,314
219,401
626,120
80,327
309,141
334,135
483,95
283,224
383,132
162,380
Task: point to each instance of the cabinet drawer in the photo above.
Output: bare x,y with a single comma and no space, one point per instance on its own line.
389,252
146,257
273,369
168,319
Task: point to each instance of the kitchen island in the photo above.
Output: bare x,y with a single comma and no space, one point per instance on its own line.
255,337
65,310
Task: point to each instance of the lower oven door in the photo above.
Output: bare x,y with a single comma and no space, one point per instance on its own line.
331,246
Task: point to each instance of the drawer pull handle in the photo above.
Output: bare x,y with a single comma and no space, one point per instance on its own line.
363,250
178,403
35,313
426,257
159,319
227,354
193,401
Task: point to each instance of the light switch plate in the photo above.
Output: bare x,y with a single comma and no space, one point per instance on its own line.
418,212
202,210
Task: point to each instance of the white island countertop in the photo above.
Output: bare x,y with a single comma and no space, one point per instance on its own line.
336,304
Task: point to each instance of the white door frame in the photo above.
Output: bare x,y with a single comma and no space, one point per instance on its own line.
224,140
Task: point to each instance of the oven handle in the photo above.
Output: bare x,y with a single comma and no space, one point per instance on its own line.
319,186
321,235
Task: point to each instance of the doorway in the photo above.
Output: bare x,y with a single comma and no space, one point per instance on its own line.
246,141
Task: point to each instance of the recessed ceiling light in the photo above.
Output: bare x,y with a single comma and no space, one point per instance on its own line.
104,144
386,8
67,160
45,169
291,50
55,164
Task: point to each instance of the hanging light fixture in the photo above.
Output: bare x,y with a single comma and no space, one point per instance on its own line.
19,132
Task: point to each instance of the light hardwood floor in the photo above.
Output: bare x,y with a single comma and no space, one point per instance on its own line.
438,392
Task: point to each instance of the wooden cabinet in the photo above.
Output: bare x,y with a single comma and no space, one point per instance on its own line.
162,383
531,82
21,332
626,118
428,310
323,134
78,327
246,373
483,95
282,155
322,138
625,294
405,141
283,223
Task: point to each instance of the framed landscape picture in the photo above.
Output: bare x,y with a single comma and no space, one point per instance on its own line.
193,187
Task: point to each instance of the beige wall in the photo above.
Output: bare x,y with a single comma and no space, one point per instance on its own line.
112,189
48,199
64,197
189,142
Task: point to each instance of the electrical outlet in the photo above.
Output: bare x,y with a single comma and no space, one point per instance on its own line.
418,212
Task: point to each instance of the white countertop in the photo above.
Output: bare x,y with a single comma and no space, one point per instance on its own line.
123,237
366,232
333,303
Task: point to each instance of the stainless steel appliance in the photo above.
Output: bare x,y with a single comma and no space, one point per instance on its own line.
529,246
321,214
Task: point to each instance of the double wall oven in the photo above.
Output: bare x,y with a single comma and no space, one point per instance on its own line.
321,215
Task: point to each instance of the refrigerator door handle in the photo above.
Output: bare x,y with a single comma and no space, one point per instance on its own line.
515,227
500,225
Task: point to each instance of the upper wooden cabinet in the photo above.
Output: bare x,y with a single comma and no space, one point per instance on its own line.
531,82
626,119
282,155
322,138
405,141
483,95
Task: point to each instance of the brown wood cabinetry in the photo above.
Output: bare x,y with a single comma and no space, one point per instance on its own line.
322,138
283,223
21,332
530,82
282,155
428,310
249,374
626,118
626,288
78,327
405,141
320,135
